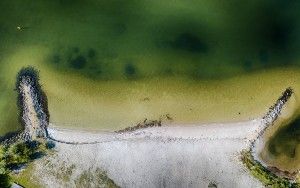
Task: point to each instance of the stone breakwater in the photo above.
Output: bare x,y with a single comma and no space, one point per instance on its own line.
268,121
275,110
32,104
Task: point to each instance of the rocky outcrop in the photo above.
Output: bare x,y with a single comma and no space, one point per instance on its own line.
33,105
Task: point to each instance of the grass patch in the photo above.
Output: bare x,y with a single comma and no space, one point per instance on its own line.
97,177
5,180
25,177
266,177
15,156
21,153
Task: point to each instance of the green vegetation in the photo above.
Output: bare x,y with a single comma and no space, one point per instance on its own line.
26,178
17,155
4,177
70,175
96,177
264,175
5,180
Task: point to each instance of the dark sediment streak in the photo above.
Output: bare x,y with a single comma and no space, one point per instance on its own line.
145,124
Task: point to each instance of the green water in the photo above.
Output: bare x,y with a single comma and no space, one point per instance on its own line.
284,145
136,40
286,140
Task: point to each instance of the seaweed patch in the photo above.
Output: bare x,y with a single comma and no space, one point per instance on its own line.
78,62
130,70
189,42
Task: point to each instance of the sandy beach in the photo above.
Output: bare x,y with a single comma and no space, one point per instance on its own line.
167,156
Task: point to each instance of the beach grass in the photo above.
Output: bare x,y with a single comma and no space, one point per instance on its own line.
265,176
25,177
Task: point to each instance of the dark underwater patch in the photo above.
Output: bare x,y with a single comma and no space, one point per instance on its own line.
1,32
263,56
91,53
95,71
75,50
286,140
272,26
130,70
259,31
78,62
84,61
120,28
248,65
189,42
56,59
276,33
184,34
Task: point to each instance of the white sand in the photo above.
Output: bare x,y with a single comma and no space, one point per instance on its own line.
168,156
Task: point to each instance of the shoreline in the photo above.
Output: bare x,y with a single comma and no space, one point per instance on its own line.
248,132
233,94
210,151
163,147
268,121
233,137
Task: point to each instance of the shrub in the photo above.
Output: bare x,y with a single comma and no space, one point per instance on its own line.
4,181
50,145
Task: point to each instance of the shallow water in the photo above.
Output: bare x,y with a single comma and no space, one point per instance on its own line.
110,64
284,146
287,140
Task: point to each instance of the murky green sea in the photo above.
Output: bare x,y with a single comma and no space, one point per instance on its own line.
291,137
81,44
